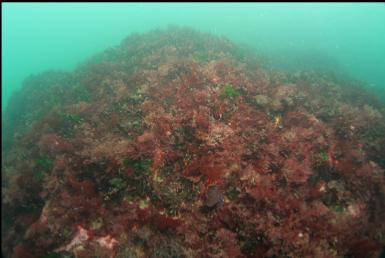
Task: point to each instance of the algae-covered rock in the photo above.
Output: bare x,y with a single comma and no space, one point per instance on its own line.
178,143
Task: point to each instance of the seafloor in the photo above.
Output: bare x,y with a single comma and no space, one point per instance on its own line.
180,144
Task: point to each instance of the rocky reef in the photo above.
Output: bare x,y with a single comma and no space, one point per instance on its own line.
178,143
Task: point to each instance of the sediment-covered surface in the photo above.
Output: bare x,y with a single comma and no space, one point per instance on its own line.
179,144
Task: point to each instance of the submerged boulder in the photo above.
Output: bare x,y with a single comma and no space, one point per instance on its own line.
178,143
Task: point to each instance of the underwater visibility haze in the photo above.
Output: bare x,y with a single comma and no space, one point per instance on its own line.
193,130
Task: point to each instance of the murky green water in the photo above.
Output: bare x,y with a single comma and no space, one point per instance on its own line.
347,38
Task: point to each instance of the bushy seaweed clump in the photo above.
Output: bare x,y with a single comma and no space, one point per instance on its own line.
179,144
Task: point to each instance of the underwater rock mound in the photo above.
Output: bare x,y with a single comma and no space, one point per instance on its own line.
180,144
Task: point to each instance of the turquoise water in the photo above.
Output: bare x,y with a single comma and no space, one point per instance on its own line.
133,138
345,38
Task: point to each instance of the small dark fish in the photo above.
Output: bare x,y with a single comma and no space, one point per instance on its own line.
214,197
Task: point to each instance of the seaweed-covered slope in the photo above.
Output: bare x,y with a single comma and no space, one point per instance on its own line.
179,144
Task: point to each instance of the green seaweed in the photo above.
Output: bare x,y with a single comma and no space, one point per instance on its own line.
117,182
232,193
137,165
324,157
230,92
44,162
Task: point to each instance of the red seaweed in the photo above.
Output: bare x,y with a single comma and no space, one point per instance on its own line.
174,145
